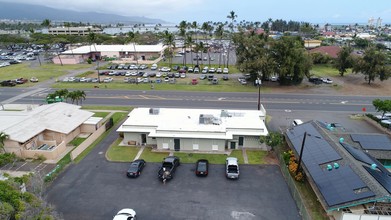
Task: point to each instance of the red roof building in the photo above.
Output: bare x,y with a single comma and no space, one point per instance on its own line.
332,51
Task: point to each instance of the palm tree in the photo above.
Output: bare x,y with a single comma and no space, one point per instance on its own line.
3,138
80,96
132,38
47,23
169,40
231,16
189,43
219,34
182,32
92,40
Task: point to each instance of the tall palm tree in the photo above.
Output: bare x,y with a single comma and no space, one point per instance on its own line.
219,34
169,40
132,38
92,40
80,95
47,23
182,32
189,43
3,138
232,16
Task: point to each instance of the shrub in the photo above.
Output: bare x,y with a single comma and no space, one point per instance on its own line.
7,158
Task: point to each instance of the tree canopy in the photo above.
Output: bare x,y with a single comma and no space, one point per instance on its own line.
344,60
372,65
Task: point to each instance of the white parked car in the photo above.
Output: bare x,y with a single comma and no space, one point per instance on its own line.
165,69
219,70
183,75
205,69
154,66
125,214
384,117
225,70
297,122
107,79
327,80
158,74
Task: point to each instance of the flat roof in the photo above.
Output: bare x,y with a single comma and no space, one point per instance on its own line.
116,48
59,117
175,122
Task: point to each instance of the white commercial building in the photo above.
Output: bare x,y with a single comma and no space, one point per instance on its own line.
194,129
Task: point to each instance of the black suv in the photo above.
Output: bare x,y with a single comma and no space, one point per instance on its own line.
8,83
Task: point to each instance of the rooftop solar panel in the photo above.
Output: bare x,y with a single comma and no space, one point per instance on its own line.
358,154
372,141
337,186
382,177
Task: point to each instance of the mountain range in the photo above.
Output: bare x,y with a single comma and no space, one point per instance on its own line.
18,11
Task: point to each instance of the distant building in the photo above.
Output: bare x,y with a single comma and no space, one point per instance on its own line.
195,129
82,31
331,51
94,52
312,43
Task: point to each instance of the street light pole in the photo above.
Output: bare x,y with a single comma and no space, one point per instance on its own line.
258,82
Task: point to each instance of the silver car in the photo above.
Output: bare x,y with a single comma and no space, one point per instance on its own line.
232,168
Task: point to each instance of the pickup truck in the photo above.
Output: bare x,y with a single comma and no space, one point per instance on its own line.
167,170
232,168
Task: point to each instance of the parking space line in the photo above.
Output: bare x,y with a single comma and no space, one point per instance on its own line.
21,166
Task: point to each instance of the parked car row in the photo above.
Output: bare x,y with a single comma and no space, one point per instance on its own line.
171,163
14,82
320,80
80,79
127,67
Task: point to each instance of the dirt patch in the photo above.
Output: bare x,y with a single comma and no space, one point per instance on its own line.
352,84
271,158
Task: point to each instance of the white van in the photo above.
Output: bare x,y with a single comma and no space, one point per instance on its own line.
297,122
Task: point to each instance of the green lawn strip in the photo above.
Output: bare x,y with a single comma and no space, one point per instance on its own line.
44,72
103,107
118,116
77,141
150,156
193,157
87,74
256,156
60,166
121,153
323,70
231,85
310,199
238,154
101,114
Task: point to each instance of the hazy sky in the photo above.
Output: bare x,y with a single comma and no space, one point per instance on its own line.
329,11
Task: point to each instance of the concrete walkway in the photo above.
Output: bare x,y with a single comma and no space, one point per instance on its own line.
139,153
245,158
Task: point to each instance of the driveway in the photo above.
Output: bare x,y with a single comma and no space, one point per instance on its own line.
97,189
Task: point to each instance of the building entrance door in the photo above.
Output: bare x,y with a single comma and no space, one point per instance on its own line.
177,145
241,140
233,145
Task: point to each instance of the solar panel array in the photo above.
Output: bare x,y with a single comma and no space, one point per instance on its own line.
337,186
358,154
382,177
372,141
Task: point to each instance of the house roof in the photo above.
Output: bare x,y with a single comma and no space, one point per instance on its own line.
172,122
342,175
332,51
116,48
59,117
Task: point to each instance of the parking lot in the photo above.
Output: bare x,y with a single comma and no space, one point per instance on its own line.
97,189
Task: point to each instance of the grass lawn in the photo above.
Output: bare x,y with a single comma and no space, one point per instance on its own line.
77,141
238,154
98,107
101,114
193,157
325,70
121,153
149,156
256,156
231,85
44,72
315,208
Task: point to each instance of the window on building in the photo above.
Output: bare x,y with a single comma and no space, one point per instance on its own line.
195,147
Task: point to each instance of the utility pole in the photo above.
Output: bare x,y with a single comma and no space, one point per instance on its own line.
301,153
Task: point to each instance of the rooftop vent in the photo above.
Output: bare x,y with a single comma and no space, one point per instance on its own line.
225,113
154,111
209,119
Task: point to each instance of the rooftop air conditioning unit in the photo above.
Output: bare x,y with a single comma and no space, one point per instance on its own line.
154,111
